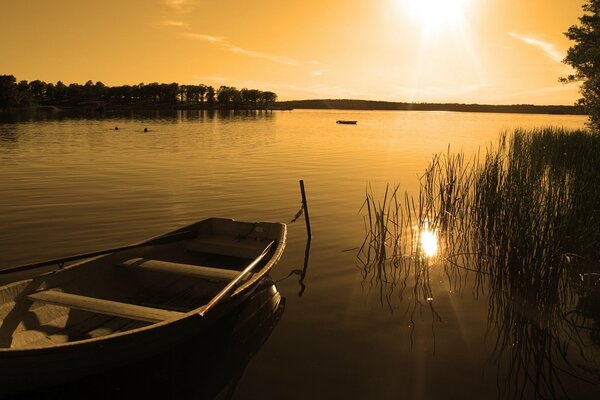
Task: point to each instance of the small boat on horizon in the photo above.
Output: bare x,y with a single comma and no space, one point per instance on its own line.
131,303
347,122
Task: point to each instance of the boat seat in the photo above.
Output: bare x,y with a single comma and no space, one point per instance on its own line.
195,271
226,245
108,307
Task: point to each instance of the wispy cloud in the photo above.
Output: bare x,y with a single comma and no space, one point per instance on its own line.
240,50
319,71
548,48
206,38
173,24
175,20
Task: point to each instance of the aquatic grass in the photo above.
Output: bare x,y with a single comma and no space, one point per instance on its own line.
531,198
392,252
543,237
525,218
377,256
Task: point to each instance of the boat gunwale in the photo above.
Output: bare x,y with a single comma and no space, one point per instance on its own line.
195,313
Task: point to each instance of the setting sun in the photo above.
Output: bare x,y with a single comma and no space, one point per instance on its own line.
436,15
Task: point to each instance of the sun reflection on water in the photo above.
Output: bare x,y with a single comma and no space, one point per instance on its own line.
429,242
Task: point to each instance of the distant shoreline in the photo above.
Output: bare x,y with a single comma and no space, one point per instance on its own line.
371,105
317,104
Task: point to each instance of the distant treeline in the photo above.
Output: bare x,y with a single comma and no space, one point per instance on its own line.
387,105
25,94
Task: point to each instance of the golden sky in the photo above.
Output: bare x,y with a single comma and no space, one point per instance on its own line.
468,51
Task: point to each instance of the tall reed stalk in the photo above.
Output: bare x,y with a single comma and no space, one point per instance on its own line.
526,218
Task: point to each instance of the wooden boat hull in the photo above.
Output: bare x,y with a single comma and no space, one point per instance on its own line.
109,340
64,363
190,369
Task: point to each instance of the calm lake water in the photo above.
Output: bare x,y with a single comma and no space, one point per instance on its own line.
71,185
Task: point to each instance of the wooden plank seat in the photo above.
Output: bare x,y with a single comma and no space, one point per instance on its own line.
101,306
195,271
226,245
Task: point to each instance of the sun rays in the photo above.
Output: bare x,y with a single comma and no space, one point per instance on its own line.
434,16
446,57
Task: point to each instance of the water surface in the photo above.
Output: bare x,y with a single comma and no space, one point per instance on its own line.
71,185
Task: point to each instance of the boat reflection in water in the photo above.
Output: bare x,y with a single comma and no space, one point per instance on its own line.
519,230
206,366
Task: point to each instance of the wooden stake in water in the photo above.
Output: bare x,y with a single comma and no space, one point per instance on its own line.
305,206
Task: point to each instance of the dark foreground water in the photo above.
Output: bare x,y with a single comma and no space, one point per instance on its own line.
72,185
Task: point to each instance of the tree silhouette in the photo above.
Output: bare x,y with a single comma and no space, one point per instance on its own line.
9,94
23,93
37,89
201,90
584,57
210,95
250,97
60,91
75,93
228,96
50,91
268,99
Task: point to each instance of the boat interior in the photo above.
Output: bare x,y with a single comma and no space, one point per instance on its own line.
136,287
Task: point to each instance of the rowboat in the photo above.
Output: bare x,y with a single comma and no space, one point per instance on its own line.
190,369
347,122
131,303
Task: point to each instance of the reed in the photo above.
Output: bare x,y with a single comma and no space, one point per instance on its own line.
525,218
536,211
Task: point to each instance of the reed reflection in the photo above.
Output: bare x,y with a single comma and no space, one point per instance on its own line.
525,220
400,248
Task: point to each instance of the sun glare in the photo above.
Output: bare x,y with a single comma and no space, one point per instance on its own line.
436,15
429,243
427,239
